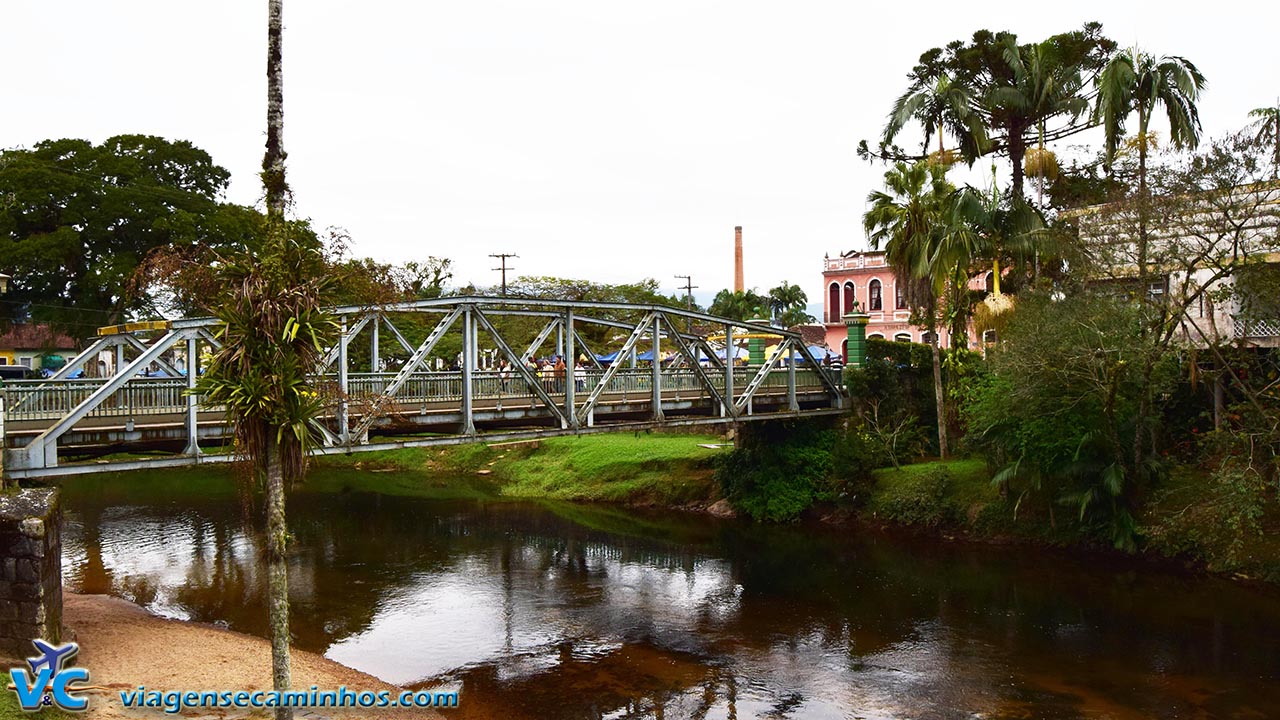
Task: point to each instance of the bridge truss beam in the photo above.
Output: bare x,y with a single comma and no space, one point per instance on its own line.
472,402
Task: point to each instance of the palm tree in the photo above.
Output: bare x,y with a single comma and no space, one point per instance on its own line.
908,219
787,305
272,334
940,104
1043,84
1136,81
1268,125
985,226
992,92
743,305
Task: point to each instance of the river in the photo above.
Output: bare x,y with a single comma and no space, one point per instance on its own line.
536,610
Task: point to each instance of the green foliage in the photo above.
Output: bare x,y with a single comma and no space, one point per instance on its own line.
787,304
1061,407
779,469
920,499
893,397
1221,518
743,305
991,92
1134,81
273,333
78,219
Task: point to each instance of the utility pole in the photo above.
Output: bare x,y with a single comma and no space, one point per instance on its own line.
502,257
688,289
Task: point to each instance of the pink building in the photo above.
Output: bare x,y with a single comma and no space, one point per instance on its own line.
865,277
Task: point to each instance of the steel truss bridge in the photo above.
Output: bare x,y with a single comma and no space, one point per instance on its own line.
63,426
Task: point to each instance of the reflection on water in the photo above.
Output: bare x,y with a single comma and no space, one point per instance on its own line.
570,612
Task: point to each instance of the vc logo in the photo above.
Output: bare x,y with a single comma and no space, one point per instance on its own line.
49,684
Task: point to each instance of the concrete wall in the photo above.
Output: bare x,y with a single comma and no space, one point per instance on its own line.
30,569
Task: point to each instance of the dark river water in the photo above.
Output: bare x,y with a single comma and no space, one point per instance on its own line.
563,611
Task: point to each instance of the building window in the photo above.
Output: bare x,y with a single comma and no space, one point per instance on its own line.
902,337
989,282
1155,290
989,337
24,362
926,338
849,297
833,303
4,361
873,300
900,295
875,335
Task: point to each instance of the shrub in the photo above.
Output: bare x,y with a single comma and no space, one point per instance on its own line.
917,499
779,469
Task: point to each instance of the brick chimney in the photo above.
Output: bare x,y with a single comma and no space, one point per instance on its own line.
738,285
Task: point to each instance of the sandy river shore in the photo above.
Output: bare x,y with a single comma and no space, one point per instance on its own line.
124,646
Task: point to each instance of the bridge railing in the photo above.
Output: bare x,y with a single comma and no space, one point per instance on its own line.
44,399
30,400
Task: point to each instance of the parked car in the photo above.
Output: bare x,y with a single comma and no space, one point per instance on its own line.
18,372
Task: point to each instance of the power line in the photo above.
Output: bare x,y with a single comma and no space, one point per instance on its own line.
503,258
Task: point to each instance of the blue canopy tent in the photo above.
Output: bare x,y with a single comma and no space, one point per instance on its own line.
819,353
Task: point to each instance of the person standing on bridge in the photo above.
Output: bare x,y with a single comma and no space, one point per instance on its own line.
579,376
504,375
558,373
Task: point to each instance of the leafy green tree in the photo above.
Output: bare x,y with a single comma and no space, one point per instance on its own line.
77,219
1062,405
909,218
735,305
787,305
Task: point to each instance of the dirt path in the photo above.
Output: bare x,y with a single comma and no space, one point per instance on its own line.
124,646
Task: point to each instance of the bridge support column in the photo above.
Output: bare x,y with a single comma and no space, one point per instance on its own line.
374,360
344,429
570,366
657,368
468,370
193,371
856,348
791,375
730,356
755,345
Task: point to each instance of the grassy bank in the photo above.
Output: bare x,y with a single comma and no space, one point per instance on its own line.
650,469
1187,518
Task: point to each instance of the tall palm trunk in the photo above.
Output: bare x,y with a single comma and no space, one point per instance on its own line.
1143,206
939,400
277,529
1017,149
277,572
273,162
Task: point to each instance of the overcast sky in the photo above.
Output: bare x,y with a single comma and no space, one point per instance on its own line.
612,141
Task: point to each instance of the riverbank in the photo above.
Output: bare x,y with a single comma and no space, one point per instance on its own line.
1186,520
124,646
